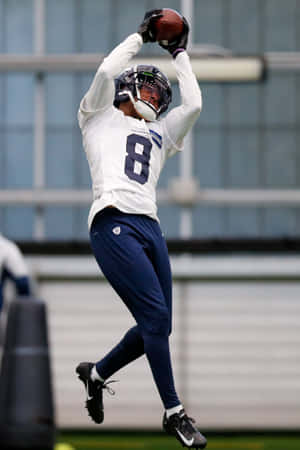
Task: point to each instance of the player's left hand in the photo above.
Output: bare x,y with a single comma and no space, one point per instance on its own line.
180,44
146,29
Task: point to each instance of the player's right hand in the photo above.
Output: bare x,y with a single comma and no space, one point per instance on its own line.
180,43
146,29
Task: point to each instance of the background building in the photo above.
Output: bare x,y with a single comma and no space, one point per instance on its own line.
243,156
246,138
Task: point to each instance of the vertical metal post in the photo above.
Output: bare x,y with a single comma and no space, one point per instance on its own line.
39,116
187,8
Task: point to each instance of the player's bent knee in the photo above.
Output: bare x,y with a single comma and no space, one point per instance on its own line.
163,323
159,324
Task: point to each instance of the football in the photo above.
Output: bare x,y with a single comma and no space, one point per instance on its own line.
169,26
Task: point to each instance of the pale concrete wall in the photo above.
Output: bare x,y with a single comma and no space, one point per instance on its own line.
235,345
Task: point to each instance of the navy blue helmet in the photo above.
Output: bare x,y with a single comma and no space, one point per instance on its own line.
134,78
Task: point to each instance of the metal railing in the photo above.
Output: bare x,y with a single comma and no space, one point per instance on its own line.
232,197
210,63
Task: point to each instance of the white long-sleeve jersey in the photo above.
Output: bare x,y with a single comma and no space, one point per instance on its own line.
13,267
125,154
12,259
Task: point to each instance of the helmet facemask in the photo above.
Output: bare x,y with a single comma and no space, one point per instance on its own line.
132,82
152,85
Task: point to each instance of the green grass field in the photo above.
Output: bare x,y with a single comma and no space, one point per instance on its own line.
158,441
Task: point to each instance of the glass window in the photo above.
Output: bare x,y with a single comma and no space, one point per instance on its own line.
2,26
170,170
94,26
169,217
59,222
243,222
17,222
243,158
66,164
280,25
243,25
18,165
280,222
208,157
61,109
60,26
208,22
156,4
2,93
280,99
18,27
18,98
81,231
125,21
246,136
2,158
82,172
60,159
18,118
213,105
66,223
281,159
94,23
242,104
208,221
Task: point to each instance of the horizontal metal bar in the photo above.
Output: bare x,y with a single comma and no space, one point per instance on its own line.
249,68
249,197
233,197
90,61
183,267
50,62
44,197
283,60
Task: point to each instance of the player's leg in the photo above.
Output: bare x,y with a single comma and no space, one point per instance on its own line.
175,420
118,257
125,263
131,346
127,350
158,253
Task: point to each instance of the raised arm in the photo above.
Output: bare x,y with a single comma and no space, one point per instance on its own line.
180,120
101,92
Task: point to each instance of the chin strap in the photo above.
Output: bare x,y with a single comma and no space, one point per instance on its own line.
146,110
143,108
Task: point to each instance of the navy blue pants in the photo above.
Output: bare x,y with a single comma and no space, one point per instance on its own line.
133,256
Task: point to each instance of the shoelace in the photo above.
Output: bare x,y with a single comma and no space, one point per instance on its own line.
109,389
191,419
185,416
187,422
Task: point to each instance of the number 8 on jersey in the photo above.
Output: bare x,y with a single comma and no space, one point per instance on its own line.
137,162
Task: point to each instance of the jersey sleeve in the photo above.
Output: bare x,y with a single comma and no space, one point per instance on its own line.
180,120
101,93
13,267
14,261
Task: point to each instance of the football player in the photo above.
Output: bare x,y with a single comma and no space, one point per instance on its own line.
13,267
127,144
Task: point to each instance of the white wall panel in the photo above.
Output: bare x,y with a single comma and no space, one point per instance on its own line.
235,345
